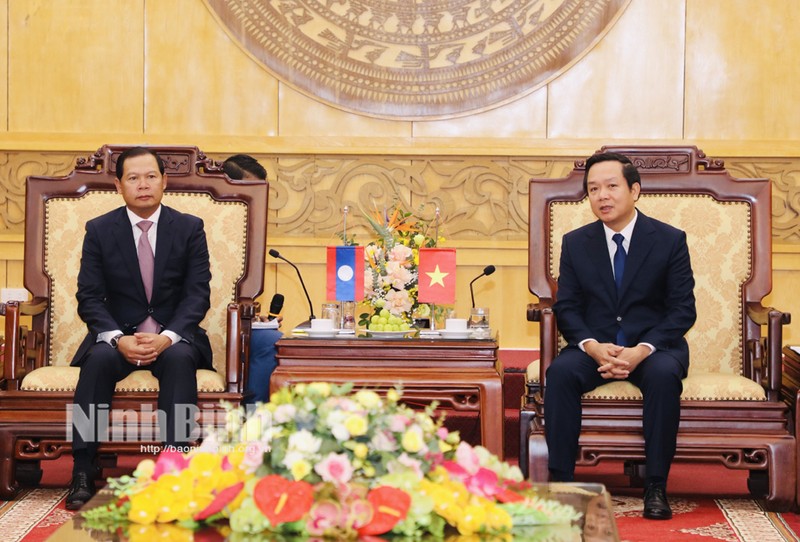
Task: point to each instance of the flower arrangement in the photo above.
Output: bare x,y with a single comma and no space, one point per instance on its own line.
391,275
321,461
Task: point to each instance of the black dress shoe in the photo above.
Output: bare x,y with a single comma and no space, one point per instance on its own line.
80,491
655,503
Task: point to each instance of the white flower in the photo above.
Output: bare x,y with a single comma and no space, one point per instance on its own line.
384,442
284,413
305,442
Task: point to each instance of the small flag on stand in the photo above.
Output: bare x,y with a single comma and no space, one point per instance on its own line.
437,275
345,273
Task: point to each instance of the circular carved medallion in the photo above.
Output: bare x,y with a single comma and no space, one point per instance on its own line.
416,59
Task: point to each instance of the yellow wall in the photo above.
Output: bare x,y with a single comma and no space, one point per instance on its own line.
718,74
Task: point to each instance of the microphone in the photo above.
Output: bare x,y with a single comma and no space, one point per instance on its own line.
275,254
275,306
488,270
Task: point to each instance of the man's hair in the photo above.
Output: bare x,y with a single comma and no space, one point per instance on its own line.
134,152
237,165
629,171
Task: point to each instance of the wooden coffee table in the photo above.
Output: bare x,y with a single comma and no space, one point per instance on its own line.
461,375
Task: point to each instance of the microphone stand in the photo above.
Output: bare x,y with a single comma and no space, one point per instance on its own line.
488,270
307,324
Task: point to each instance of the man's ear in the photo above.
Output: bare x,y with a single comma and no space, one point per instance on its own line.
117,184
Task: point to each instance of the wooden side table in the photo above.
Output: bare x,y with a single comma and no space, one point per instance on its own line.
463,375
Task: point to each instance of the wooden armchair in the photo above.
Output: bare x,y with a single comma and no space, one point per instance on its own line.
731,409
38,382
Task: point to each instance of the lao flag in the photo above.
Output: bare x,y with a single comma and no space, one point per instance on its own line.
437,275
345,273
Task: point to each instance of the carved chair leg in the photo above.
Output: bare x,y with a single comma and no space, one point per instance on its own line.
28,473
758,483
8,482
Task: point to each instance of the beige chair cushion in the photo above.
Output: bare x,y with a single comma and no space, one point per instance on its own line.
226,231
696,387
66,379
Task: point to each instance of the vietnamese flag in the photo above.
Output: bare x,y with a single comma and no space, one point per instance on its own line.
437,275
345,273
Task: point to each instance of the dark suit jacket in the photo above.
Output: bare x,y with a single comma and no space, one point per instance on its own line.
656,303
110,290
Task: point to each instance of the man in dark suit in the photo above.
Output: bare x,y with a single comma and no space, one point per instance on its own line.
625,300
143,289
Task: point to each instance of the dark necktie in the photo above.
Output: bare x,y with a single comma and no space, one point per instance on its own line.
619,269
146,267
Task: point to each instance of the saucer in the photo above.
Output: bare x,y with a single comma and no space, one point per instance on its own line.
455,334
322,333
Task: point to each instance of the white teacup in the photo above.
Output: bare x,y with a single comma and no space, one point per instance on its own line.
455,324
322,324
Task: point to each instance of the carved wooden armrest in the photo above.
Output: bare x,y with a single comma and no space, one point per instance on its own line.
535,309
765,354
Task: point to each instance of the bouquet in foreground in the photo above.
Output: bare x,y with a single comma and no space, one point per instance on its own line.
323,461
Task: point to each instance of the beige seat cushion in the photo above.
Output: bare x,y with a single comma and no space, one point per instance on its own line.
696,387
60,378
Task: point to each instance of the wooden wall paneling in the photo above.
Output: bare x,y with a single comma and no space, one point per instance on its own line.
75,68
304,116
522,118
4,65
741,70
631,84
199,81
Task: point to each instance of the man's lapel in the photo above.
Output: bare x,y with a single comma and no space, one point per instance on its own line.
597,250
641,245
123,235
164,237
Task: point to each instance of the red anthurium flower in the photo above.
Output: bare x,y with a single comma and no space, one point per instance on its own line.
389,506
281,500
506,495
220,501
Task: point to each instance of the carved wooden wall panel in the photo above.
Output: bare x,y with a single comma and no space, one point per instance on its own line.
479,197
421,59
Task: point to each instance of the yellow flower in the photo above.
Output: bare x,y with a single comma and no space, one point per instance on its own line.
473,520
392,395
361,450
144,508
498,519
300,469
369,471
356,425
319,388
444,447
368,399
412,439
145,469
419,239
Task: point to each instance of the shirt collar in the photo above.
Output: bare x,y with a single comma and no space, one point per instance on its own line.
135,219
626,232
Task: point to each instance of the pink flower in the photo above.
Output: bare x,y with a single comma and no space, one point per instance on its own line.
398,302
335,468
169,461
467,458
398,423
483,483
400,253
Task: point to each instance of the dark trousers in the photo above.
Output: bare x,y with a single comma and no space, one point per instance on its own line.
103,367
573,373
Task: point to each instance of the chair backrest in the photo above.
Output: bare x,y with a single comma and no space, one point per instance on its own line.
234,213
727,222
